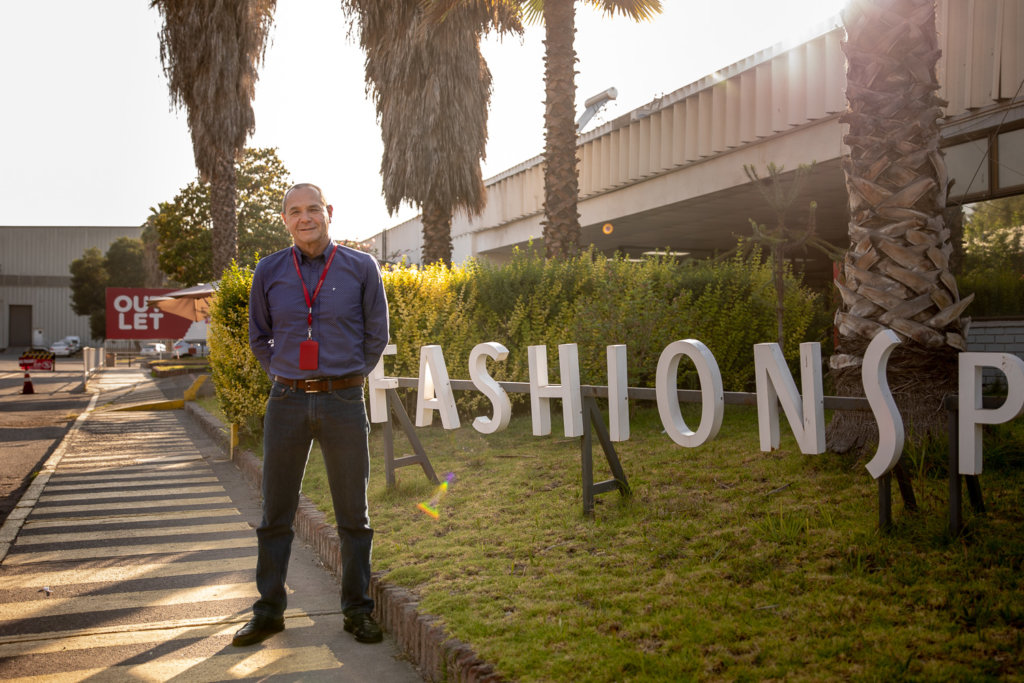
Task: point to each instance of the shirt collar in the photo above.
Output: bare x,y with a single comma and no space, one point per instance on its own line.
303,258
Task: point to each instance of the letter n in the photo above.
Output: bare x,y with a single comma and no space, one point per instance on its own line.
775,384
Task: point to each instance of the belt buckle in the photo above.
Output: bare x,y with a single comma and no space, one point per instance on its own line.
307,385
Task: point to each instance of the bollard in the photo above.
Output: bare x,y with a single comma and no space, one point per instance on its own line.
27,387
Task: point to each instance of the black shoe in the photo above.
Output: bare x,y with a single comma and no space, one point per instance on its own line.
364,628
258,629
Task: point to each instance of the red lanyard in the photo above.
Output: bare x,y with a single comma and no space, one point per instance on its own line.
305,292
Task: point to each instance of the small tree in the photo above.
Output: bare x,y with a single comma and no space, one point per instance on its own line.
125,262
992,266
994,235
184,225
122,266
89,282
782,239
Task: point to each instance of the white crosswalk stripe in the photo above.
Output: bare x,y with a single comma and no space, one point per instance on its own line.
219,667
137,565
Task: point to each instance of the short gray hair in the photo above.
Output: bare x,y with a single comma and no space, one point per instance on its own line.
303,186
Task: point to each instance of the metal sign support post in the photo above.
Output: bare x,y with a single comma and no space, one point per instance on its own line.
593,421
956,519
391,463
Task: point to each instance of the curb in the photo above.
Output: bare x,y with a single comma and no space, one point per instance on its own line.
421,637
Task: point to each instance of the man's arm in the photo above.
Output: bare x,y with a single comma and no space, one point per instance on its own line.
375,316
260,324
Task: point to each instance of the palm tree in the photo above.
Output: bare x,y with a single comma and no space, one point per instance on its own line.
210,50
431,88
561,185
896,272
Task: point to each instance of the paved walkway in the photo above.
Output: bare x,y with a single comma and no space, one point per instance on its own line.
132,557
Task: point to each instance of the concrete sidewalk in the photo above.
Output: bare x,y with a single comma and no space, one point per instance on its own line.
132,555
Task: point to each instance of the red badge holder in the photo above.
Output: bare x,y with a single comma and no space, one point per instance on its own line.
309,352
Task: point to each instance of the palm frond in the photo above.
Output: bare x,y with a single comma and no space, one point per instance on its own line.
637,10
210,51
500,16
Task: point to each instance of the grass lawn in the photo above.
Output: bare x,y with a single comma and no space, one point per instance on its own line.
726,563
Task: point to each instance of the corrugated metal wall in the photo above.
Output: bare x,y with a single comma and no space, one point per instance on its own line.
35,271
769,93
982,45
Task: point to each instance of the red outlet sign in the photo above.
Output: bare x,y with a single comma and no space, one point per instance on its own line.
130,315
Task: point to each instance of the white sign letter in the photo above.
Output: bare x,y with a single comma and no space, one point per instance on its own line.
876,388
772,377
435,390
712,396
541,392
618,400
489,387
379,385
122,304
972,415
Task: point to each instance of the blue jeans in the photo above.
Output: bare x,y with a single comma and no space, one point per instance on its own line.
337,420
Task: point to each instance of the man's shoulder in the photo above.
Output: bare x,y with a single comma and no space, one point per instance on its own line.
272,260
356,256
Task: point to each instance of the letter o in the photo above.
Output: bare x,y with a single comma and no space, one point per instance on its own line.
122,303
712,396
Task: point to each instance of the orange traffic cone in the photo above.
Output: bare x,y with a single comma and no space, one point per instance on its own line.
27,387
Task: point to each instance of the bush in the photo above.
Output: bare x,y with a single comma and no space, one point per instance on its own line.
595,302
588,300
997,291
241,383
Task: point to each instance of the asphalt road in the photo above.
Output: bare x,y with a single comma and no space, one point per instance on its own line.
31,425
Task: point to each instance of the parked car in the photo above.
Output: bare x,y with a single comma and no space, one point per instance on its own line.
153,349
67,346
184,348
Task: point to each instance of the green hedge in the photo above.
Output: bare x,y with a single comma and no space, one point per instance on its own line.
595,302
588,300
997,291
242,385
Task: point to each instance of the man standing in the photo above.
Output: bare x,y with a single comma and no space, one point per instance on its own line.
318,323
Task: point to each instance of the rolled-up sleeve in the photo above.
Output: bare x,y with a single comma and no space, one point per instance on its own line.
375,316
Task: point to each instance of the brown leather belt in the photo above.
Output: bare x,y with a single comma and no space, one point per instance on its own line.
318,384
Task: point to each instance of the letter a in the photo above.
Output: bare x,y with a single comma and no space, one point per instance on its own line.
435,390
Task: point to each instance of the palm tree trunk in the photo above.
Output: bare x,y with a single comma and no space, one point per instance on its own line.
437,233
222,213
561,186
896,273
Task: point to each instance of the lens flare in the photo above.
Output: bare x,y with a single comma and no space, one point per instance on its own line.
432,507
607,228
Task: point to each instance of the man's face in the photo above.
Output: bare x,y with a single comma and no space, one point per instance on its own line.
307,219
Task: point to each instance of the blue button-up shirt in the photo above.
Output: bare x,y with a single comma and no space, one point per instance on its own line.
350,315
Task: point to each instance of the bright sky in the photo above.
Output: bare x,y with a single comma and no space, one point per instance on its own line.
88,136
